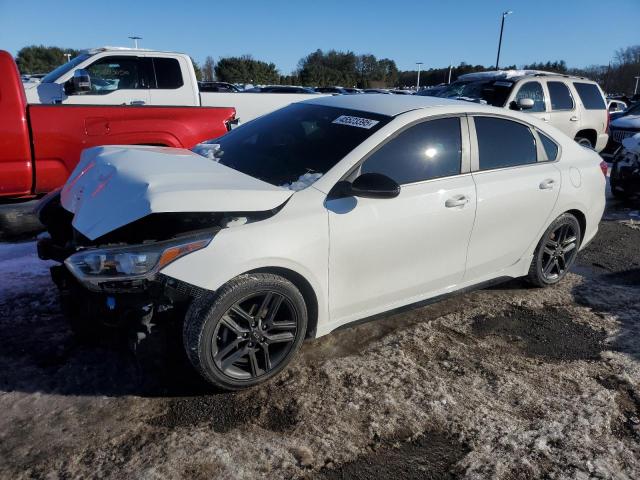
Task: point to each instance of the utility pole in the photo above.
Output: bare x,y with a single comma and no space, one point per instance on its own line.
635,90
504,15
135,41
418,83
449,80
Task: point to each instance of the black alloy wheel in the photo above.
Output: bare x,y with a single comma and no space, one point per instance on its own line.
254,335
556,251
247,331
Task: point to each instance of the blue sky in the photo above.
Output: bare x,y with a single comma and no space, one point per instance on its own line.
435,32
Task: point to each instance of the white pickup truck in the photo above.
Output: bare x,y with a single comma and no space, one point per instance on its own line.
125,76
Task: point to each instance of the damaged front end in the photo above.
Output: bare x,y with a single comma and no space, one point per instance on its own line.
113,283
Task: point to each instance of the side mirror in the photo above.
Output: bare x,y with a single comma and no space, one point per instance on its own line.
81,81
525,103
374,185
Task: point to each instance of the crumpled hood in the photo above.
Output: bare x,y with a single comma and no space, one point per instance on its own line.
628,121
116,185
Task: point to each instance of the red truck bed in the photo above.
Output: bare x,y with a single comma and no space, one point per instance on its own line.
41,144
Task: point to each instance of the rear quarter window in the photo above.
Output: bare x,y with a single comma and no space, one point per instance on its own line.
590,95
168,73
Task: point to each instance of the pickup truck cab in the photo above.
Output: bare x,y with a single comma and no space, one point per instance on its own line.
41,144
117,76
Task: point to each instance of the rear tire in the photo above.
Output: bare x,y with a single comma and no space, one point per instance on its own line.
247,332
585,142
556,251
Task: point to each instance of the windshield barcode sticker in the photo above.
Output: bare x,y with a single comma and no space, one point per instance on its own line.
355,121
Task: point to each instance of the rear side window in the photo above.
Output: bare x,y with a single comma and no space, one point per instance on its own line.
590,96
503,143
168,74
561,98
430,149
550,147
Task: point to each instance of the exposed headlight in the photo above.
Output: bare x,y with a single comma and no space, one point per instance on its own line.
94,266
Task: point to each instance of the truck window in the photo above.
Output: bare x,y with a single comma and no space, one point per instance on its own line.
168,73
590,96
109,74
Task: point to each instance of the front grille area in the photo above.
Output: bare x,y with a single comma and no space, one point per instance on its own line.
619,135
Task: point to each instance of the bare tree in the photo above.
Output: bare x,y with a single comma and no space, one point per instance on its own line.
208,72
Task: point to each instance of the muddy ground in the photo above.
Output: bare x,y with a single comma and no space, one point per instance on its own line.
508,383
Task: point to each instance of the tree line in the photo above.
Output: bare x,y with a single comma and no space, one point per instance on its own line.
329,68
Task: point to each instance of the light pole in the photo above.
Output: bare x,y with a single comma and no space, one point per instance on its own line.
635,90
67,56
418,83
135,41
504,14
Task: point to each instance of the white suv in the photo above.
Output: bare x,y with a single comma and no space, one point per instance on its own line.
574,105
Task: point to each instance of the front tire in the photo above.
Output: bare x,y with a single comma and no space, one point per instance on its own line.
556,251
247,332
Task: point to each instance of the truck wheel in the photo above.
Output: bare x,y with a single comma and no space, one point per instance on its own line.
555,252
247,332
17,220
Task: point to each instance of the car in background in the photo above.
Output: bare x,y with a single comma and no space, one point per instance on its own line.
400,91
217,87
431,91
332,90
616,107
377,90
353,90
281,89
320,214
625,169
626,125
574,105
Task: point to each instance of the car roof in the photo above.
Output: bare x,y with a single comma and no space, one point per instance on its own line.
514,75
390,105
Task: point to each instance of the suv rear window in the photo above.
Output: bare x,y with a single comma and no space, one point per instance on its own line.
590,96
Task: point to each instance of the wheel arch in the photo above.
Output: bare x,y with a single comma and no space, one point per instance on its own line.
308,293
590,134
582,221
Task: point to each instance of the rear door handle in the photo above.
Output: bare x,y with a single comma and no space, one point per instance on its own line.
547,184
573,119
137,102
457,201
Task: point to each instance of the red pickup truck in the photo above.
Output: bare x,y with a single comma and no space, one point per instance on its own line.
41,144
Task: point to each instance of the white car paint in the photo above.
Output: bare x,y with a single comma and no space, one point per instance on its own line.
364,256
248,105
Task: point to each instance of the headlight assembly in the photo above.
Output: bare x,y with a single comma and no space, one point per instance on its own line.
94,266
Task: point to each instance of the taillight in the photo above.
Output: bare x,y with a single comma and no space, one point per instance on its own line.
231,124
604,166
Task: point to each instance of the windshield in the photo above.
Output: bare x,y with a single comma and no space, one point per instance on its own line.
493,92
294,146
62,69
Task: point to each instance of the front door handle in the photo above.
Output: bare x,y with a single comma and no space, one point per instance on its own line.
137,102
457,201
573,119
547,184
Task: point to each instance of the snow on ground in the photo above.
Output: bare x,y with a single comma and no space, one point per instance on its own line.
509,382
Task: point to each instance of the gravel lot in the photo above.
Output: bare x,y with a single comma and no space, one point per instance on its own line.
508,382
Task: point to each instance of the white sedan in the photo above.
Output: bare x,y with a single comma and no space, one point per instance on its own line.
322,213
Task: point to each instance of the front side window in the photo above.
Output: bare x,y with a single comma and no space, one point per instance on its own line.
428,150
560,95
168,73
504,143
590,95
109,74
294,146
533,90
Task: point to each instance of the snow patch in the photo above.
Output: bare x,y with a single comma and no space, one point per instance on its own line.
303,181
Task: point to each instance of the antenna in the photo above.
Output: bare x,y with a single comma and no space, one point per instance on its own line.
135,41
